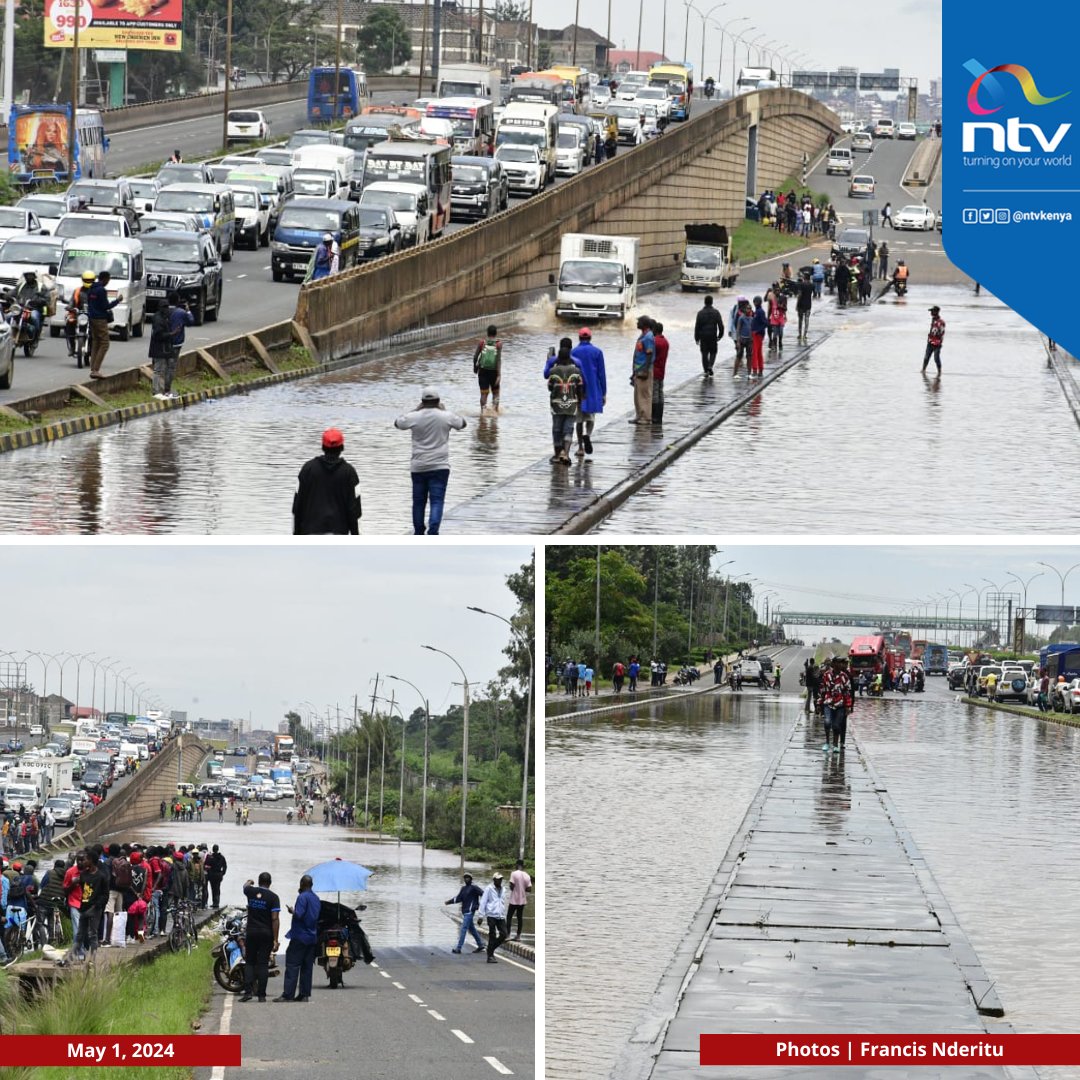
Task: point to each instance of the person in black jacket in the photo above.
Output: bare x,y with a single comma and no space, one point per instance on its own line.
327,499
215,867
707,330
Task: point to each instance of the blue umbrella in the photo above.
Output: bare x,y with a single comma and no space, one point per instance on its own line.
339,876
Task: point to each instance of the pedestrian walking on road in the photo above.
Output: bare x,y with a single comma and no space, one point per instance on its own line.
633,671
817,278
618,674
216,866
886,215
431,424
487,367
520,886
100,310
263,934
708,326
160,351
659,370
302,935
566,389
327,498
718,672
759,324
591,361
493,908
934,339
812,678
742,334
842,276
641,373
883,260
837,697
803,304
468,896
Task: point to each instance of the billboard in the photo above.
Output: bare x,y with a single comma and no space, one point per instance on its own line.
882,81
843,80
1047,613
810,80
115,24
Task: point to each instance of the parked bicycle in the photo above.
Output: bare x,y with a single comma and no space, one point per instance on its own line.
20,935
52,924
183,933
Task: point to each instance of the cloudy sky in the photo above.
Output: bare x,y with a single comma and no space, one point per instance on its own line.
233,631
871,37
869,578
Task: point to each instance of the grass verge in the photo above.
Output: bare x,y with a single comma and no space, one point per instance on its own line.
753,241
126,1000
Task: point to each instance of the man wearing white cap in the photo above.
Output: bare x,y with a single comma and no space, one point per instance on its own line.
430,424
493,908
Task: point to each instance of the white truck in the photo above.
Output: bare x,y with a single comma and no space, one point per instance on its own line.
340,161
469,80
707,259
410,205
597,276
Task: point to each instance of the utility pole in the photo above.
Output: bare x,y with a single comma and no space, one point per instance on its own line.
596,661
655,597
577,14
529,32
436,43
228,75
423,53
367,781
337,59
9,56
74,99
480,35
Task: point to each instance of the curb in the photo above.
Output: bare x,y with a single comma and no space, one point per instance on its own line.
629,703
515,948
1055,359
1018,710
614,497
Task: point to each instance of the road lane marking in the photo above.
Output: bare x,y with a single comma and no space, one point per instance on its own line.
198,119
461,1035
218,1071
413,997
240,277
437,1016
498,1066
399,986
505,959
385,974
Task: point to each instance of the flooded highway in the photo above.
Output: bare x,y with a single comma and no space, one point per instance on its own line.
988,797
859,403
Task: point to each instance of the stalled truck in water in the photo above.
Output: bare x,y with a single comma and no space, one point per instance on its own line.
706,259
597,276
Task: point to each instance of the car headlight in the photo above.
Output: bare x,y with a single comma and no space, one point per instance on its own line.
277,245
187,282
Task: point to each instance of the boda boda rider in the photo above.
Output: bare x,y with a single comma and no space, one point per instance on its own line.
29,293
77,304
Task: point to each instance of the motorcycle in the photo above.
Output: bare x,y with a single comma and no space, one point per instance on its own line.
710,88
229,954
78,323
341,941
20,319
686,675
899,284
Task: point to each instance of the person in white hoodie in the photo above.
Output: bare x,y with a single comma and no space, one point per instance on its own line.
493,908
430,424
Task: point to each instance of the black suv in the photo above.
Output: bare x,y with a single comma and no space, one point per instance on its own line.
479,188
186,263
850,241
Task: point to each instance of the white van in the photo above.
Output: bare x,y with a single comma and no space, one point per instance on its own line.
323,157
410,205
840,161
22,794
531,123
212,204
123,258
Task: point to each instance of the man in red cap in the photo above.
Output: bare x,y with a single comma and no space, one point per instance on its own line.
327,499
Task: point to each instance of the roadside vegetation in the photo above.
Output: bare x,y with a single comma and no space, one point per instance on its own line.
753,240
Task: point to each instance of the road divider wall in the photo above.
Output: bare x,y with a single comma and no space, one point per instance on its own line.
923,166
697,171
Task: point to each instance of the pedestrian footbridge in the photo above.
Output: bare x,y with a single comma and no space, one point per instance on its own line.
698,171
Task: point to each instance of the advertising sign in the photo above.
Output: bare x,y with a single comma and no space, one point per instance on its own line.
1047,613
40,140
115,24
879,81
810,80
1011,159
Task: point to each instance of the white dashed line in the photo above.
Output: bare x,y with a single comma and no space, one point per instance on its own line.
240,277
413,997
385,974
462,1036
399,986
437,1016
498,1066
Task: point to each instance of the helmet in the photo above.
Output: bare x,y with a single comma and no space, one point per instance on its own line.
89,277
328,236
816,261
332,439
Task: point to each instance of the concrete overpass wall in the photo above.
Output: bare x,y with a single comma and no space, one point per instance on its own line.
140,800
695,172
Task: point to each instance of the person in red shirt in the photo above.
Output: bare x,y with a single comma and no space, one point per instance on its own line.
934,339
836,695
658,369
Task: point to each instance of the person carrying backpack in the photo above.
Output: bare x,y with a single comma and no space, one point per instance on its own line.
487,366
161,351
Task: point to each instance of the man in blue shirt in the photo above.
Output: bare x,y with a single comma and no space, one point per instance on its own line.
642,374
591,361
303,936
469,898
99,308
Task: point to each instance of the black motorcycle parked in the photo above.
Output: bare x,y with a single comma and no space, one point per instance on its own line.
342,941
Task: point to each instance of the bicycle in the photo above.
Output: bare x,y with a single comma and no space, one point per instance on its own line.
183,933
19,938
52,924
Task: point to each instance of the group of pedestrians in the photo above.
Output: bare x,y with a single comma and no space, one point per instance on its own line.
496,903
791,213
577,678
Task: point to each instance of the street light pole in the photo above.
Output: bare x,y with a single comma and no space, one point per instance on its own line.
464,749
1061,577
1025,584
228,76
427,724
735,39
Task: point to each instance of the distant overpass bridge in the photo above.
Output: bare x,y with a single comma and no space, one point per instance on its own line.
873,622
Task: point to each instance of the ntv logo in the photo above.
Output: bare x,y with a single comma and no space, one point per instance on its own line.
1007,136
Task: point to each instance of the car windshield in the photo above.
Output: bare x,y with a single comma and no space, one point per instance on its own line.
469,174
914,211
246,198
627,111
707,258
653,93
396,200
853,236
309,185
515,153
90,225
11,218
43,207
522,137
863,180
310,218
567,139
37,251
187,202
170,249
306,138
143,189
373,217
275,157
152,222
180,174
595,274
96,194
77,260
268,185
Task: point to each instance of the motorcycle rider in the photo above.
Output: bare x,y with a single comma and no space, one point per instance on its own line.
710,87
900,274
30,294
75,305
262,939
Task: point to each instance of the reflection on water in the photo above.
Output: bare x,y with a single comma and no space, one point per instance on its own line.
640,813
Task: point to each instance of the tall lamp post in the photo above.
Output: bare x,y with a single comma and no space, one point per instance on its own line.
401,789
735,39
1061,577
523,639
705,18
960,612
1025,585
427,724
464,748
978,606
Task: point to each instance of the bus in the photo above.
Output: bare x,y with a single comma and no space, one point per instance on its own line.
902,641
534,86
577,80
678,79
38,144
414,161
935,659
867,655
352,94
473,121
918,647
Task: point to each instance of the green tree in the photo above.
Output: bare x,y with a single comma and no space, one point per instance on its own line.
384,40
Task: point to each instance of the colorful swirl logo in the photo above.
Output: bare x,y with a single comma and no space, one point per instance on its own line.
1022,76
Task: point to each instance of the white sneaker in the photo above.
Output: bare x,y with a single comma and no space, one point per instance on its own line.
162,397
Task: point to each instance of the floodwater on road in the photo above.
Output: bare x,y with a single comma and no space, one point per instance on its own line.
856,438
642,805
405,894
